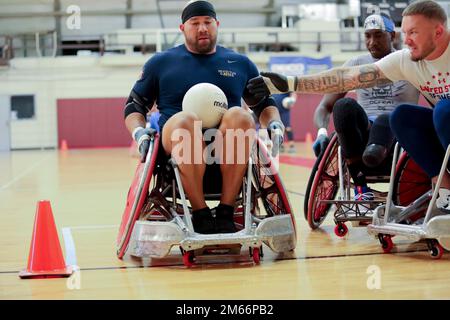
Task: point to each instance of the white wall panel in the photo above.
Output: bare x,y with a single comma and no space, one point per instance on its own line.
92,27
51,79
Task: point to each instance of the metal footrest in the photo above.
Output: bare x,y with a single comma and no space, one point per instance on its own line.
155,239
278,233
412,232
438,227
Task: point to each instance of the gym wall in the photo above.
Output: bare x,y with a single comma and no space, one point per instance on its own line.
81,100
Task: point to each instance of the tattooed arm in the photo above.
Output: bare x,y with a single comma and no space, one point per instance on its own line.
336,80
342,79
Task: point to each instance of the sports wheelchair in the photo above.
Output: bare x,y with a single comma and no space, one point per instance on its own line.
330,175
157,216
434,227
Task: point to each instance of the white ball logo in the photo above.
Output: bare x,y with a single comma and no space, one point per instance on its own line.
208,102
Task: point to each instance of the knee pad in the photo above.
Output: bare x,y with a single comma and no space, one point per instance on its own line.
374,155
346,113
380,142
351,124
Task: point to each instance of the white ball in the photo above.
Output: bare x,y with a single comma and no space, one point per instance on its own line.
288,102
208,102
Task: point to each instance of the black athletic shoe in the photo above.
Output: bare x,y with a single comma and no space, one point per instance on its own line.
224,219
203,221
374,154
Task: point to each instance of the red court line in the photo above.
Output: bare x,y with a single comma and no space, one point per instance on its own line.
297,161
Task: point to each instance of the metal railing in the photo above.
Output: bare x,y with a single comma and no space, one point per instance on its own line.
244,40
36,44
43,44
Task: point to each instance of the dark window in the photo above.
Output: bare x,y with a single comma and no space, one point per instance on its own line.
23,106
71,47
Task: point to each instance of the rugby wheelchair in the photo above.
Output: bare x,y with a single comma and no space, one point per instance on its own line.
330,176
157,216
434,227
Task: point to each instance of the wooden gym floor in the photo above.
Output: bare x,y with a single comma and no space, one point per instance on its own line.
87,190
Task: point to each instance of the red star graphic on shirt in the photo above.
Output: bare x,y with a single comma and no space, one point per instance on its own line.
434,77
448,73
439,74
428,82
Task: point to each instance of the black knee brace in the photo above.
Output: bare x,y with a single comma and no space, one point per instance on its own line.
381,140
381,132
351,124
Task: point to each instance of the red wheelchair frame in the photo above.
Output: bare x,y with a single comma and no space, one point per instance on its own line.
161,203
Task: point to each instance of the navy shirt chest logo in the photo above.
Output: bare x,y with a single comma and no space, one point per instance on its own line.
227,73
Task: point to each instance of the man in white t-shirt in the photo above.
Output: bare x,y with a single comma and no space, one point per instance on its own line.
425,64
362,124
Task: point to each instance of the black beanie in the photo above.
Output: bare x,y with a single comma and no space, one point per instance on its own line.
198,8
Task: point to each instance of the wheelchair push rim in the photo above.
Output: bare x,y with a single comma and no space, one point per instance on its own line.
271,188
137,194
410,181
324,185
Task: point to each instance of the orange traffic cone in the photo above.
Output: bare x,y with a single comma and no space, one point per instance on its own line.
45,259
308,138
64,146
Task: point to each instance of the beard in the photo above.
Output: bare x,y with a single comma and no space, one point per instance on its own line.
207,47
428,48
378,54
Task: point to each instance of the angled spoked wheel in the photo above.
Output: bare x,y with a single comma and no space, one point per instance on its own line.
323,184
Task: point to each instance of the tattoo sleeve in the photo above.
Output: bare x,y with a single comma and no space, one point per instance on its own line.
342,79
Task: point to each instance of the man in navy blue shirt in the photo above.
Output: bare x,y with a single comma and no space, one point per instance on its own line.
165,79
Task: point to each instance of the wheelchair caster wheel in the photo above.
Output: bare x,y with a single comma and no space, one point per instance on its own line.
436,250
340,230
256,255
188,258
386,242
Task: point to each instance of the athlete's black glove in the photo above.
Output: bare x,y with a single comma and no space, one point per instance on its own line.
271,83
275,130
142,138
321,142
